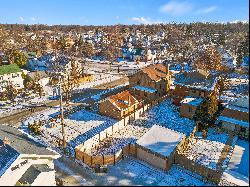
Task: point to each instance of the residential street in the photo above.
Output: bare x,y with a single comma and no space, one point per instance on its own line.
14,119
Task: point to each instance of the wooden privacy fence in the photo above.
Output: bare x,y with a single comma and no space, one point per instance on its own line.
207,173
105,159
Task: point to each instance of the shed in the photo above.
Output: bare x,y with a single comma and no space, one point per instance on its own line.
158,146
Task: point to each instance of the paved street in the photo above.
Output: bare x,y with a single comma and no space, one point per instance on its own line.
18,117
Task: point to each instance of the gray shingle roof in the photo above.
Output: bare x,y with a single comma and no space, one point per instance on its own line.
7,156
22,143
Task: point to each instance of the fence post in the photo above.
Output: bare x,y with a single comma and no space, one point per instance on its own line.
91,161
122,154
103,159
129,148
114,158
134,112
83,157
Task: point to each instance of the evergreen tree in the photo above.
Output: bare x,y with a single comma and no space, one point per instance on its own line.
205,113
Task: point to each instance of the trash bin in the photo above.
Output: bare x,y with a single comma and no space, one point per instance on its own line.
97,168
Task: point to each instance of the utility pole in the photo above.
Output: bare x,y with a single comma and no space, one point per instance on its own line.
62,118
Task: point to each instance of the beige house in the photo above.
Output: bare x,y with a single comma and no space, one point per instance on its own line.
119,105
189,105
151,82
235,118
158,146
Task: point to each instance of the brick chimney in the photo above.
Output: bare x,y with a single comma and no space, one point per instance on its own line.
6,141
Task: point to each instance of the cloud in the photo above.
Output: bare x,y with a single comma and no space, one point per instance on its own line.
176,8
33,19
142,20
21,18
207,10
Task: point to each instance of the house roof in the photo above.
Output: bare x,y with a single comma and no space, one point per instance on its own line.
39,74
7,156
161,140
32,173
156,71
144,89
194,101
7,69
123,100
22,143
241,104
197,79
233,121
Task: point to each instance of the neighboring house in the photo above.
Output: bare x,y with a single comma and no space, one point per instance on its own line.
227,60
197,83
151,82
189,106
159,146
119,105
245,64
11,75
39,77
235,117
38,64
24,161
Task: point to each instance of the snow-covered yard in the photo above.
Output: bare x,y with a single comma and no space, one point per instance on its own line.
134,172
164,114
79,127
8,107
207,151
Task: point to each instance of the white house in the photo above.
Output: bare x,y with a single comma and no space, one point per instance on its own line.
11,75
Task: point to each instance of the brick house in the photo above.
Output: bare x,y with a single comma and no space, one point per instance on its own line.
197,83
119,105
235,118
151,82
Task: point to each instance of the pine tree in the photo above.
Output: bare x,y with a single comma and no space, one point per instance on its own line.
205,113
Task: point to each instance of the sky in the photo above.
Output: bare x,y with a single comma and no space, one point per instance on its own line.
110,12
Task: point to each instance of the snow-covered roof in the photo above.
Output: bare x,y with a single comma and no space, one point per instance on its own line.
233,121
195,101
197,79
145,89
161,140
241,104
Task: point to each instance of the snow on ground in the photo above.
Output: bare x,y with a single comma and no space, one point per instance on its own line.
164,114
9,107
207,151
167,115
79,127
238,167
134,172
129,134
